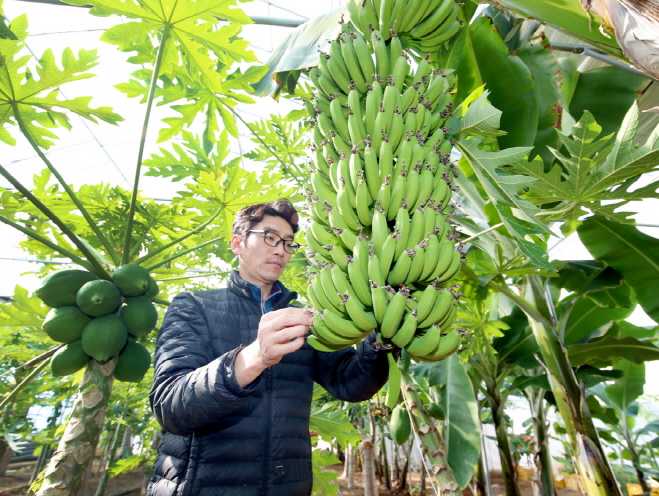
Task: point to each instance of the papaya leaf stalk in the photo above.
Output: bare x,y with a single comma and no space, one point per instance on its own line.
125,255
94,227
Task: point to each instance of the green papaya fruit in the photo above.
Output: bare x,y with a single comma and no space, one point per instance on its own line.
98,298
104,337
131,279
133,362
68,359
436,411
65,324
139,315
60,288
400,426
153,290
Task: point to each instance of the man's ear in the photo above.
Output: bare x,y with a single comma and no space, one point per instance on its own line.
236,244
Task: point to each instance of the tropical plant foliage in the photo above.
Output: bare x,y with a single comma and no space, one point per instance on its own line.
538,156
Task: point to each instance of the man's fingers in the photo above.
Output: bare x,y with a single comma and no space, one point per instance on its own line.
288,333
289,320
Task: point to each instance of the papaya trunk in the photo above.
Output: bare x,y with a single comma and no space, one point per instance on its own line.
105,476
591,461
432,443
368,460
68,465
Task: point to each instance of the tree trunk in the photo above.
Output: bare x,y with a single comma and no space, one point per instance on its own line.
368,472
510,479
591,462
368,460
422,479
105,476
433,445
542,455
349,467
127,443
5,456
67,467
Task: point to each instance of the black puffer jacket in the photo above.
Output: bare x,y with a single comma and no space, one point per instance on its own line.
222,439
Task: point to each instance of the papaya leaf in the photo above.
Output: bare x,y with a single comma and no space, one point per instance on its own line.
603,351
629,251
481,118
5,31
323,480
595,170
502,188
35,96
332,423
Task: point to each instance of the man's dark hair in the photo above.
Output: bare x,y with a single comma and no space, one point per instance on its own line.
248,217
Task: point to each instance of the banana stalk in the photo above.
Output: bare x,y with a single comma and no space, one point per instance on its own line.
432,442
75,452
542,455
590,460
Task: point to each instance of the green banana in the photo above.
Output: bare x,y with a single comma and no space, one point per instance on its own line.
394,313
417,263
379,301
441,307
424,343
399,272
426,302
406,331
393,380
318,345
359,316
359,283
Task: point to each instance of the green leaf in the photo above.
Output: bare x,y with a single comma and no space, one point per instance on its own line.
629,387
596,86
486,61
601,352
299,49
568,16
632,253
5,31
35,96
588,317
459,402
502,188
480,118
595,170
332,423
323,480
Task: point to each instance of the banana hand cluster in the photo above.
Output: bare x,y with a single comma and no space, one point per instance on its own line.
382,241
424,25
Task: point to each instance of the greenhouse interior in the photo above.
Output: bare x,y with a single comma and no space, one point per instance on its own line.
473,269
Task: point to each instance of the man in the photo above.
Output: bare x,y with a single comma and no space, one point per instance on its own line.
234,376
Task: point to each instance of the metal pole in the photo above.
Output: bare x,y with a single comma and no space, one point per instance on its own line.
270,21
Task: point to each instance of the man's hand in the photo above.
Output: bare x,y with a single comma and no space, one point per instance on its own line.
280,332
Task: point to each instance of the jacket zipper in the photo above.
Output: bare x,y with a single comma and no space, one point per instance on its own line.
268,391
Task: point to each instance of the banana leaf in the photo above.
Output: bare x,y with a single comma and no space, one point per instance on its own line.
567,16
629,251
299,50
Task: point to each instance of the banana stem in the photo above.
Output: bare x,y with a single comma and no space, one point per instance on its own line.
74,198
45,241
10,397
180,254
523,304
178,240
433,444
125,255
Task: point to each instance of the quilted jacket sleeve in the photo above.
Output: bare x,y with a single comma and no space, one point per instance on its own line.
352,375
191,388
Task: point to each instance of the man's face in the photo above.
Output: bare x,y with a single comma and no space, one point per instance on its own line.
260,263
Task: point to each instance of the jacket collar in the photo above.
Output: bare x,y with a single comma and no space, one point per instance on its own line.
242,288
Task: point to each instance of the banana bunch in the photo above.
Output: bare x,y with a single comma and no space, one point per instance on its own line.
424,25
382,242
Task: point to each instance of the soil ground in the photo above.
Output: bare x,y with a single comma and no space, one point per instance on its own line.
15,483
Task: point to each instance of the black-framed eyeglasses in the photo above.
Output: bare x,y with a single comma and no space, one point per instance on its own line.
270,239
